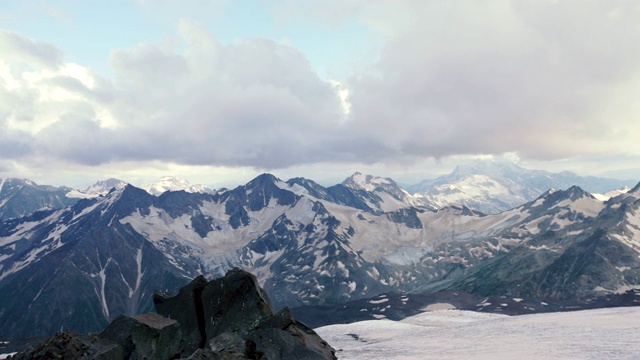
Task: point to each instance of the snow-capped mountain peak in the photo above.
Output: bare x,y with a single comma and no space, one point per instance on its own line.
359,181
574,198
106,185
174,183
391,196
100,188
493,186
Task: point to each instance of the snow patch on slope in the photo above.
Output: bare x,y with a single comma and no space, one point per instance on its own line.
610,194
158,226
586,205
36,251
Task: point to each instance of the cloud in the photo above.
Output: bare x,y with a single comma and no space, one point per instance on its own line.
15,47
543,80
253,103
535,78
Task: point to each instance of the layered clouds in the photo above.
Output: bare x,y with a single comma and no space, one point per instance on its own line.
253,103
544,80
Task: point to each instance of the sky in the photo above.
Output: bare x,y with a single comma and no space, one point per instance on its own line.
218,91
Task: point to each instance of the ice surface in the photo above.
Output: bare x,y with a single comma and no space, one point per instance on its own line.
451,334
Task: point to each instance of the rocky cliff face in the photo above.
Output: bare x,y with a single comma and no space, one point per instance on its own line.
227,318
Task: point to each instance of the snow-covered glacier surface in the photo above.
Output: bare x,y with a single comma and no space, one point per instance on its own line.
452,334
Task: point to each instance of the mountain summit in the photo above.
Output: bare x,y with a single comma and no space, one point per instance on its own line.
173,183
493,186
99,188
21,197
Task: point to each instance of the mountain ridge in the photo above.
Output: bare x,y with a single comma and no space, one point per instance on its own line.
307,245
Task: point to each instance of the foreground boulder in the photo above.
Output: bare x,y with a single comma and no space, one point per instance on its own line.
227,318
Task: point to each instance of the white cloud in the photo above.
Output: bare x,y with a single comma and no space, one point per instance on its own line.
15,47
254,103
541,80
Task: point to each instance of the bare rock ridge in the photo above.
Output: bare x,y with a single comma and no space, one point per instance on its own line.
226,318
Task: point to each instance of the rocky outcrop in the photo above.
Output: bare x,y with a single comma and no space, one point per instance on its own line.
226,318
186,308
69,345
149,336
235,319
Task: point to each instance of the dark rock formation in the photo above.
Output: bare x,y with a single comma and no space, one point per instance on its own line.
186,308
235,319
150,336
69,345
227,318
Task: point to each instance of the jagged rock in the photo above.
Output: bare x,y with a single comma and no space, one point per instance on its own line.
239,321
186,308
69,345
230,343
225,319
235,303
149,336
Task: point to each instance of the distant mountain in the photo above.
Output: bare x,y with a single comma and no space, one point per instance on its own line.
566,244
95,259
172,183
389,196
82,262
307,245
492,186
97,189
20,197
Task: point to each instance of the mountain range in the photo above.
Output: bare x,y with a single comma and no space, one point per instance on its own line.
493,186
308,245
488,186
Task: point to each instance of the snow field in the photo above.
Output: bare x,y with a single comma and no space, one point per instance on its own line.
452,334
